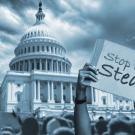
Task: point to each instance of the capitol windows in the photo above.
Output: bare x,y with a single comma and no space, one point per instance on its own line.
43,66
56,99
33,48
127,101
42,33
121,108
25,50
55,50
32,65
55,87
42,97
35,33
38,48
43,49
64,98
48,66
31,34
54,67
28,49
60,67
47,48
27,67
104,100
64,87
18,85
51,49
38,65
20,66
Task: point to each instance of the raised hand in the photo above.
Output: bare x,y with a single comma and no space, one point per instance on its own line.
87,74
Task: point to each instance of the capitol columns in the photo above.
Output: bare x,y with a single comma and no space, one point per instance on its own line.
48,88
61,88
38,90
52,65
65,67
29,65
49,49
52,92
46,64
57,66
34,64
61,66
71,93
40,62
34,90
53,50
24,65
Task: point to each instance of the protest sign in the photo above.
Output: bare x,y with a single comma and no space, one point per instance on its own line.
116,65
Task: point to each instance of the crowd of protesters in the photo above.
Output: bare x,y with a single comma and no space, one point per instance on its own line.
77,123
64,125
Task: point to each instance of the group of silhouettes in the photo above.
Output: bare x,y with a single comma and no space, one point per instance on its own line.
62,125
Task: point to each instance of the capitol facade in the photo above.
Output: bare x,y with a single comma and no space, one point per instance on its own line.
40,77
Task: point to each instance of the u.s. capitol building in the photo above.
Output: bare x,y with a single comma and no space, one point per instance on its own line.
40,76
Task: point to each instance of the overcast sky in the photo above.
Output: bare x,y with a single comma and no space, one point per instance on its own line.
76,23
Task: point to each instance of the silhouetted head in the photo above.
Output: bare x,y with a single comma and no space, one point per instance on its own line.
63,131
69,116
101,126
101,118
119,126
30,127
45,122
57,123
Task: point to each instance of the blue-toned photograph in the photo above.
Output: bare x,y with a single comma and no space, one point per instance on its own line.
67,67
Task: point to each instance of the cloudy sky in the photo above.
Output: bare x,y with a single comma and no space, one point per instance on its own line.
76,23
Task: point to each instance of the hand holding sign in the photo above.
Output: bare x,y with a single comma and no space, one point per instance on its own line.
87,74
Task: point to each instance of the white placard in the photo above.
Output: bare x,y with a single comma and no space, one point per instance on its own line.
116,65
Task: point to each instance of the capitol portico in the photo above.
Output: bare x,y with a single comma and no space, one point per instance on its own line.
40,76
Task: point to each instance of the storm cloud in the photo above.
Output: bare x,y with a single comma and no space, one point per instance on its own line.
76,23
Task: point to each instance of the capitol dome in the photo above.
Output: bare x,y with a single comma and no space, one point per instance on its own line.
40,50
37,31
